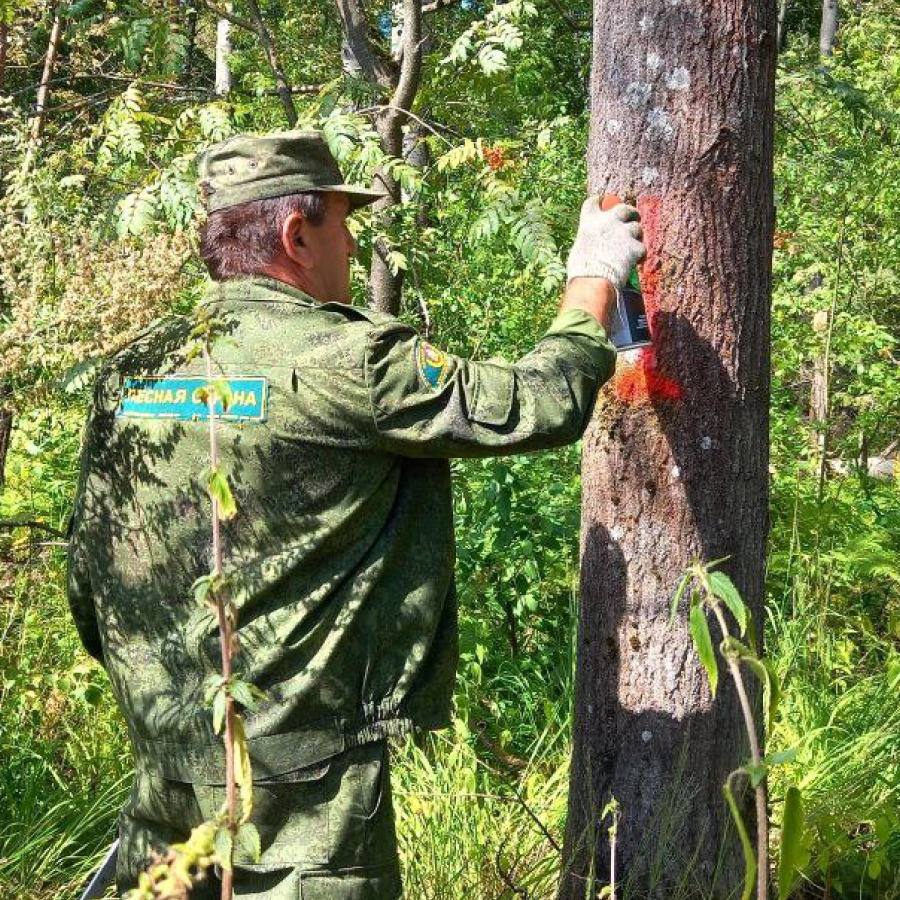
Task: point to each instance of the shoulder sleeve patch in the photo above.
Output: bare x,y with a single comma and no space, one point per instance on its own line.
432,364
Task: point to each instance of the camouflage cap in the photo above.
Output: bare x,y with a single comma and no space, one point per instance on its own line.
245,168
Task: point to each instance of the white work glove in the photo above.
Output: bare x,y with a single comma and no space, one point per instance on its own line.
608,244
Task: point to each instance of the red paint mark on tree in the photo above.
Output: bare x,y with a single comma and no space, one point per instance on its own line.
650,209
642,382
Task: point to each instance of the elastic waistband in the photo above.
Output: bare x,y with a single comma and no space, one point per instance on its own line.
270,755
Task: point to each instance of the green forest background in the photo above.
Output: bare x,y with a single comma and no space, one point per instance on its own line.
98,237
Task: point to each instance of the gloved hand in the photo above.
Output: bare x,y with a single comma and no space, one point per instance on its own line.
608,244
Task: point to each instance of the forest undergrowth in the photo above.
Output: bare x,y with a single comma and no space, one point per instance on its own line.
481,807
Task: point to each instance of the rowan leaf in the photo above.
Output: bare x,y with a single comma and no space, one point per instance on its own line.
80,375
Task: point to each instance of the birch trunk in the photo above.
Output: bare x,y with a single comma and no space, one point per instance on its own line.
782,17
675,463
223,52
828,29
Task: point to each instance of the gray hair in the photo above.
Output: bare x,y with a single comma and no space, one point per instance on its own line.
242,240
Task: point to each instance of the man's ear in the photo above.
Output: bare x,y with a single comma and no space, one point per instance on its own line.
294,230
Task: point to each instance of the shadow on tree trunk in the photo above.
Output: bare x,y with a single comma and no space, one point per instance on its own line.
666,757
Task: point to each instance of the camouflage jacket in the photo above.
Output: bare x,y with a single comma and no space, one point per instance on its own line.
341,554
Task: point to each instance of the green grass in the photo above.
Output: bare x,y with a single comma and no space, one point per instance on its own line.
65,764
467,829
481,807
832,635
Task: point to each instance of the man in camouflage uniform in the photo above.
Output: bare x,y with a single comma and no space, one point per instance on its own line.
341,554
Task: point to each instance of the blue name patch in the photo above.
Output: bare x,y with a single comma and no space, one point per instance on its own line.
164,397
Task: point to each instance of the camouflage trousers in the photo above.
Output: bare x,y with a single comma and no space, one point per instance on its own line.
327,831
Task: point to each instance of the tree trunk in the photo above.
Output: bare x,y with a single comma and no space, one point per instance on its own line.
43,94
36,125
6,422
782,16
282,85
828,29
675,463
359,57
190,30
4,48
223,52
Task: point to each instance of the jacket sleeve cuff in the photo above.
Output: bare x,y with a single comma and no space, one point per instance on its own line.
583,330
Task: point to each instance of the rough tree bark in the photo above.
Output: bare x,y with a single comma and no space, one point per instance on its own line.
403,82
675,461
828,28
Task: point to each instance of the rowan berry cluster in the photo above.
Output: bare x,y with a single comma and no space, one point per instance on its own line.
494,157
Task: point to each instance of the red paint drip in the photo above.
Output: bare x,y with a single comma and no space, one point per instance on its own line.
643,382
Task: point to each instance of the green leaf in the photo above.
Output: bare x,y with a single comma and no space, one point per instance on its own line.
756,773
243,774
397,262
248,843
772,693
211,684
723,588
679,593
221,390
245,693
223,845
791,841
782,757
703,644
80,375
219,705
137,210
746,846
220,490
734,649
201,588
